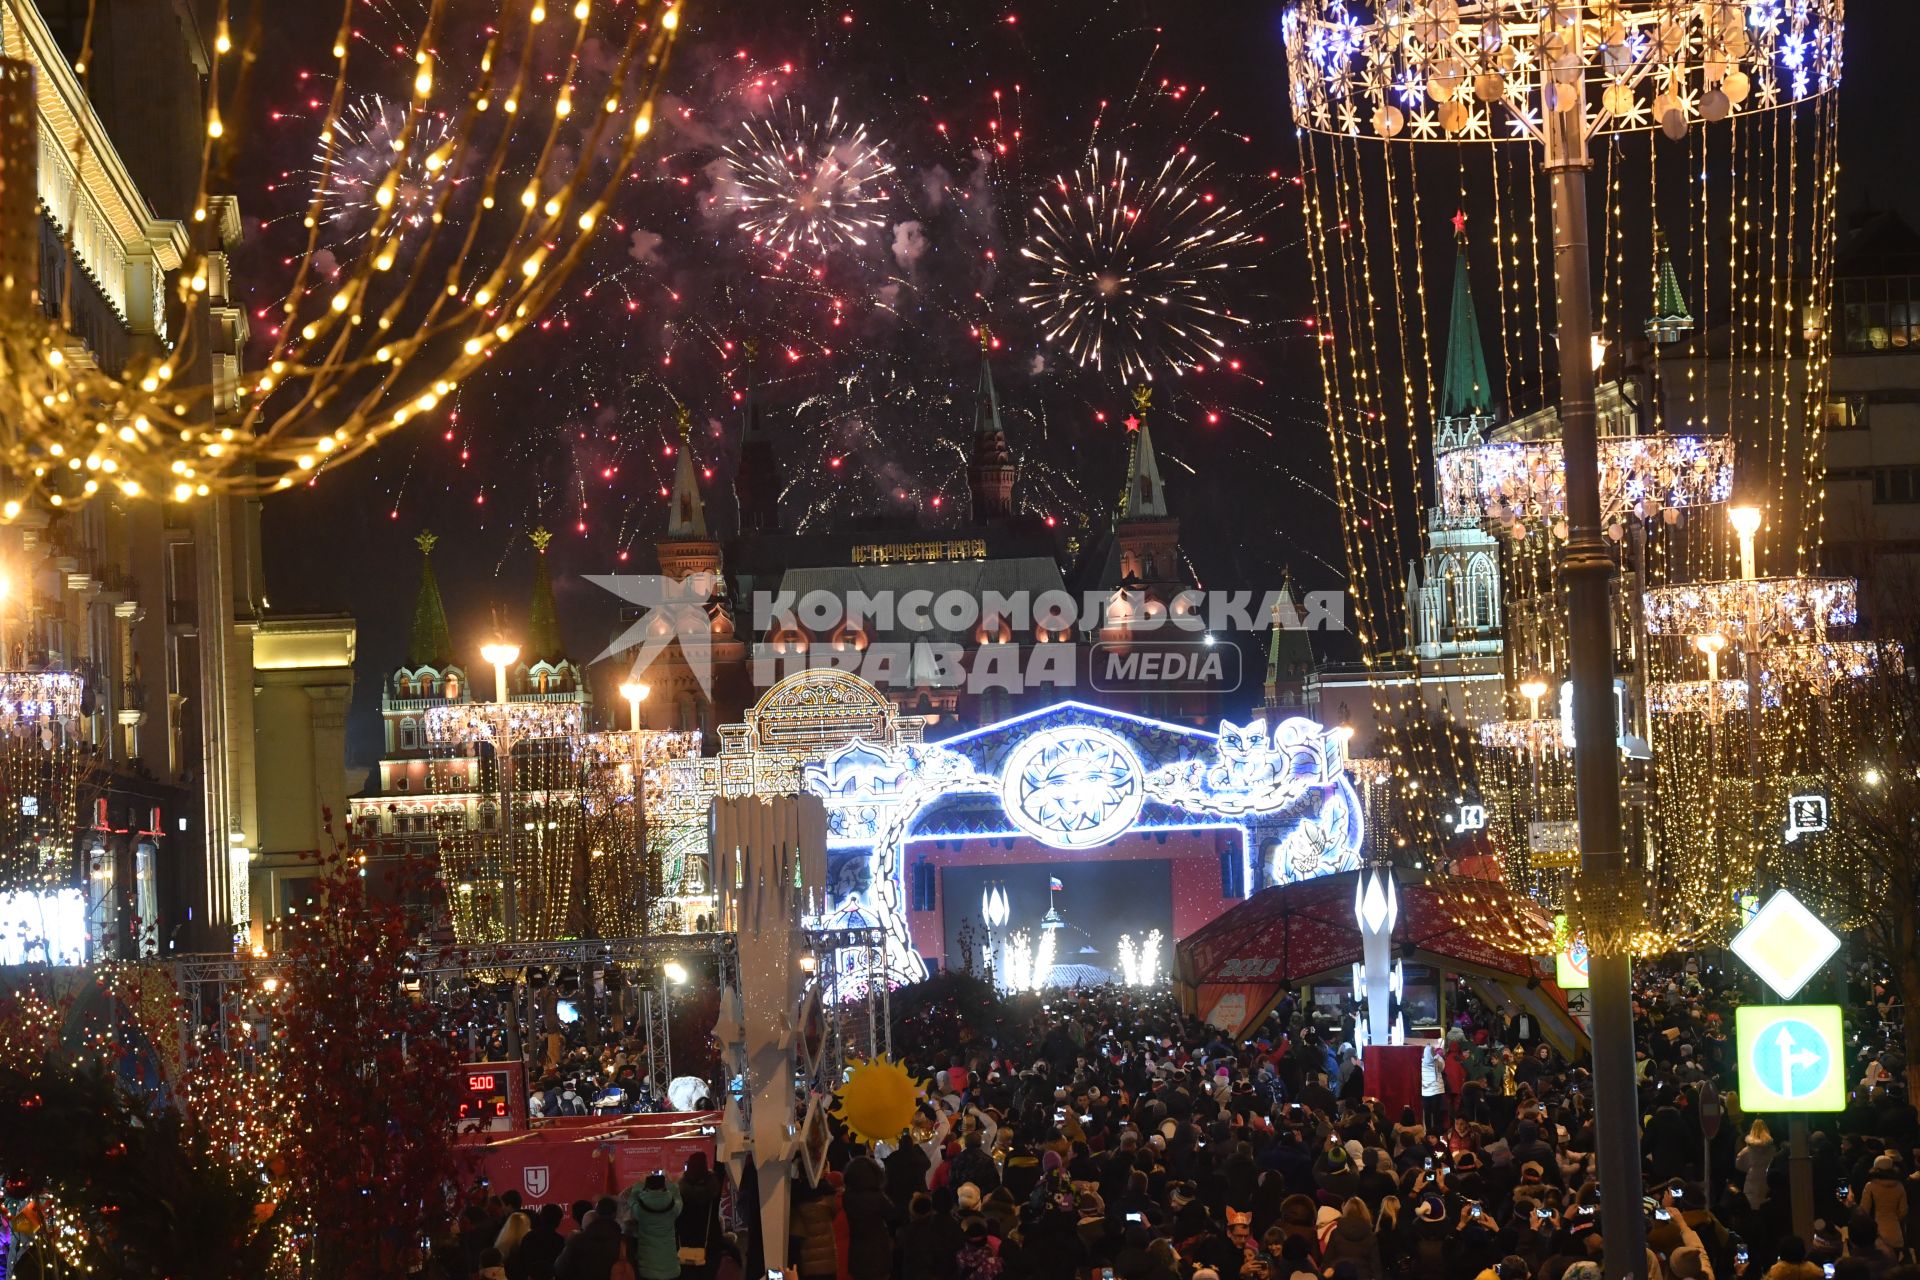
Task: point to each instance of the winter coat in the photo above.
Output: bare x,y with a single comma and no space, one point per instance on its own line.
1352,1240
1433,1076
653,1215
1885,1197
589,1252
869,1221
816,1254
1753,1160
928,1245
699,1211
534,1256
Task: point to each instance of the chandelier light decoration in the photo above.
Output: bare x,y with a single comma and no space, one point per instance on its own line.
539,111
1517,484
35,701
1710,127
1488,69
1773,607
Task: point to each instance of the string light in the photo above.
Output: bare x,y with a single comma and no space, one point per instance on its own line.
356,348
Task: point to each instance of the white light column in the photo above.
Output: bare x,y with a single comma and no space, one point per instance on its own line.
1376,909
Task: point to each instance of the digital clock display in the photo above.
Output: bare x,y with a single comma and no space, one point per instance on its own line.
483,1084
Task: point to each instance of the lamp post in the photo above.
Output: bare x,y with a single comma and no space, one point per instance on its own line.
1746,523
501,655
635,692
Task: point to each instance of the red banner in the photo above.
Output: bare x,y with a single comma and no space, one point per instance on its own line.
545,1172
582,1157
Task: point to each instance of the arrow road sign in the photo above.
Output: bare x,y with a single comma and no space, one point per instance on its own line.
1790,1058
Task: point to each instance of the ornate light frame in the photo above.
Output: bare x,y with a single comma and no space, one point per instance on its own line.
1794,607
1490,69
1526,480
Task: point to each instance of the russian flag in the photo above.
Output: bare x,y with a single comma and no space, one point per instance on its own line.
1053,883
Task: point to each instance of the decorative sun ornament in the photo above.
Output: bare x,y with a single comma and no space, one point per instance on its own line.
1524,483
1493,68
878,1100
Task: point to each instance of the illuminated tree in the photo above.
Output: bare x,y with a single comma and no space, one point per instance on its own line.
368,1078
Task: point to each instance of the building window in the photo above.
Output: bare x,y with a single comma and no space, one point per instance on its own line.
1880,313
1483,593
925,893
409,735
402,783
1848,413
1895,486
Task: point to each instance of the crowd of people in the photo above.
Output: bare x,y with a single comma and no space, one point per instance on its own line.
1101,1135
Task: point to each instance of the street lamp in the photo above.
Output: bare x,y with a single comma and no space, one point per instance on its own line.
635,693
1746,523
1533,688
502,655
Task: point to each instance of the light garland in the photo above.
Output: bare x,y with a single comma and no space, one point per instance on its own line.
1773,607
361,352
1524,482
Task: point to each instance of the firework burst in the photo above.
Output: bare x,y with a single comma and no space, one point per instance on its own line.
1128,271
366,144
806,183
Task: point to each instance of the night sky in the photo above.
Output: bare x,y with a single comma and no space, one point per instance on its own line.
869,354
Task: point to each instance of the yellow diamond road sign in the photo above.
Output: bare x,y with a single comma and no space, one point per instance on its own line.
1785,944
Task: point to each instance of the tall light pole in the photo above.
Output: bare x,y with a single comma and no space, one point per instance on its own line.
1556,71
502,655
635,692
1586,573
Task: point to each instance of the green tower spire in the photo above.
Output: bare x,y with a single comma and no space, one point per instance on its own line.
543,620
429,644
1465,390
1670,320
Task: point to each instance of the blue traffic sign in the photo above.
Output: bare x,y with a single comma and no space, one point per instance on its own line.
1790,1058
